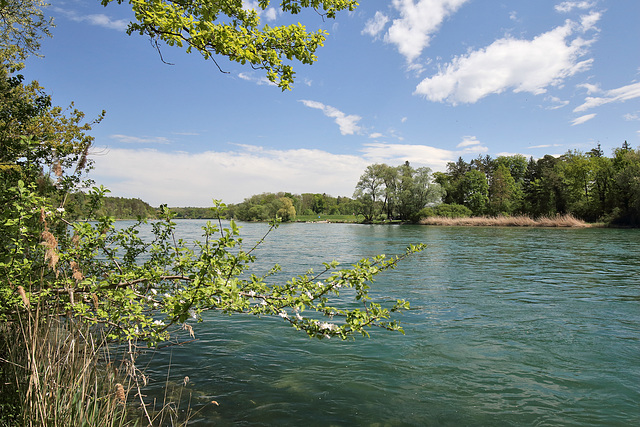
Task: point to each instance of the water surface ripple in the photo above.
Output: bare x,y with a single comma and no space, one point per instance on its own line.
508,326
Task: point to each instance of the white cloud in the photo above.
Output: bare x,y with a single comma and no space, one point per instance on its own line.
100,20
417,155
375,25
470,144
590,88
559,103
412,32
582,119
588,22
468,141
187,133
630,117
127,139
348,124
376,135
568,6
193,179
520,65
620,94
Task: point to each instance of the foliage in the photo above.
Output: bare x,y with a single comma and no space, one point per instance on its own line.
288,207
589,186
22,25
54,378
369,191
78,206
229,29
99,277
138,289
192,213
397,192
445,210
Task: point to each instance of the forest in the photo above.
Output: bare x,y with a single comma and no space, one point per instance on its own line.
590,186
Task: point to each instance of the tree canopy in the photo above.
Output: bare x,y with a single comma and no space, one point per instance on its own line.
228,28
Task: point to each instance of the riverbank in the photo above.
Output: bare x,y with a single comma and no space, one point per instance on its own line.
565,221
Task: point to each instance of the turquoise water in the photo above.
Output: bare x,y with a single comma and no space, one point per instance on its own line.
508,326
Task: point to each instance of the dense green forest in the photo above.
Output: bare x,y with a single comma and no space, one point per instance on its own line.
589,186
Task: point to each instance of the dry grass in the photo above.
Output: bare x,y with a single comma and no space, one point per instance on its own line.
508,221
55,373
58,372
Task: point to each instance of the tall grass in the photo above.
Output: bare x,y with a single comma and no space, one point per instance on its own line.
57,372
508,221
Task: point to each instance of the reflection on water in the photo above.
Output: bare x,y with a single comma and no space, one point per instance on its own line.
507,327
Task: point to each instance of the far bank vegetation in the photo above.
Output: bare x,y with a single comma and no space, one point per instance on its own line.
571,190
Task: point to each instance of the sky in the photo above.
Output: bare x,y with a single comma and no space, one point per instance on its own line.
424,81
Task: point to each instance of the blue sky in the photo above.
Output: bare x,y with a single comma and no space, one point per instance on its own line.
424,81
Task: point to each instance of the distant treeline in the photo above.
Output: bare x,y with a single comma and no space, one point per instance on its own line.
78,206
266,206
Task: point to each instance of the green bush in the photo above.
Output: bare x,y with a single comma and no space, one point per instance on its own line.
446,210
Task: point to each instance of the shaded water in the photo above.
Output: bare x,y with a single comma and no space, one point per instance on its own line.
508,326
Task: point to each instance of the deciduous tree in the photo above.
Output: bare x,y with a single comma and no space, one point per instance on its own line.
228,28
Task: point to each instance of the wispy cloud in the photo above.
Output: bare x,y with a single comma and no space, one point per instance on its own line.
630,117
348,124
591,88
471,144
568,6
257,80
100,20
128,139
545,146
558,103
582,119
375,25
186,133
521,65
620,94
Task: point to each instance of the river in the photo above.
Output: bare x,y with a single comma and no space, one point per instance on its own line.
508,326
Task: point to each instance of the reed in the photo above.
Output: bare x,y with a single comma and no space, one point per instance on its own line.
508,221
58,372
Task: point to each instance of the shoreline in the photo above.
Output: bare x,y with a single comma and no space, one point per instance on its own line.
559,221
